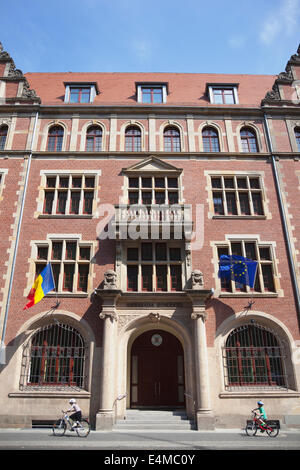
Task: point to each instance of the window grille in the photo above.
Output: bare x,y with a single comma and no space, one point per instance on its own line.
54,358
254,357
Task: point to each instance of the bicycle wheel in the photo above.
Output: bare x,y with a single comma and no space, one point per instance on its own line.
251,429
83,429
59,428
272,430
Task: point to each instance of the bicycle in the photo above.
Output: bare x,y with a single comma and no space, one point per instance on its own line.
60,426
270,426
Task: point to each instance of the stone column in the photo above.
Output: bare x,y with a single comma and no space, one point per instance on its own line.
204,415
106,414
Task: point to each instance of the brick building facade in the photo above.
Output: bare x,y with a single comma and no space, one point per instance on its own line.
133,185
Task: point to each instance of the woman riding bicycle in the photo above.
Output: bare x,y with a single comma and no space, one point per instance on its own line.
77,415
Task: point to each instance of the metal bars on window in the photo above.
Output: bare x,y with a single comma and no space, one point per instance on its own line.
254,357
54,358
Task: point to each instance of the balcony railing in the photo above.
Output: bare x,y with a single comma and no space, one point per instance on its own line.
175,218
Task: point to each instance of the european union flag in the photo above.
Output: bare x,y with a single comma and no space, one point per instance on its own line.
238,269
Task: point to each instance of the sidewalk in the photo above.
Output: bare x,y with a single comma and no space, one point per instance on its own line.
220,439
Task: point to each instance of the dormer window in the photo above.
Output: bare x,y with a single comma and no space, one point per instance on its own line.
80,92
151,93
223,94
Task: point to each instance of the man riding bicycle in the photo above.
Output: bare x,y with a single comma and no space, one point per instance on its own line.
77,415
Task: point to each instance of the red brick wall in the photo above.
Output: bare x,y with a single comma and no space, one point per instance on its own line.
195,192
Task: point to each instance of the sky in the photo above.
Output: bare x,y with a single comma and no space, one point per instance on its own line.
192,36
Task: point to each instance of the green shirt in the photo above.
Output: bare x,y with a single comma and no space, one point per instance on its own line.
262,412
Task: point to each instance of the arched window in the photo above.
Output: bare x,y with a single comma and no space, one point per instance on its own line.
297,135
133,139
56,356
254,357
210,140
55,138
248,140
94,139
171,139
3,136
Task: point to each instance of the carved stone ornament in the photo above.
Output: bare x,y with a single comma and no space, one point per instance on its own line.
154,317
3,54
110,280
13,72
196,314
286,77
112,315
273,95
27,92
197,279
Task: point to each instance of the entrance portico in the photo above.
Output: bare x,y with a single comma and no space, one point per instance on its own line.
154,352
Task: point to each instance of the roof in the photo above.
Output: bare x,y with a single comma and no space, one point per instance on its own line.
184,89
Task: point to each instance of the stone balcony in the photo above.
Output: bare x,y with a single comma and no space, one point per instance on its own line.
153,221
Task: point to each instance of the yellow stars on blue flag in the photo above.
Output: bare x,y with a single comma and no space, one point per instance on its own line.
237,268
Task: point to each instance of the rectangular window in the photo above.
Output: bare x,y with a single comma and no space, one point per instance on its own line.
69,195
153,190
237,196
147,278
83,274
68,277
70,262
175,273
161,278
264,281
151,93
223,94
132,278
154,267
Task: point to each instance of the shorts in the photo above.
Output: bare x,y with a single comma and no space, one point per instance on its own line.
76,416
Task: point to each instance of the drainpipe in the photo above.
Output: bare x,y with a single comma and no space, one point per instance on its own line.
284,222
2,346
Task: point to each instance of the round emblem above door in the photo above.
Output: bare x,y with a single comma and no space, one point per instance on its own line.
156,340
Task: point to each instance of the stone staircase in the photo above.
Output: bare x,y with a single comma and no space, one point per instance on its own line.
155,420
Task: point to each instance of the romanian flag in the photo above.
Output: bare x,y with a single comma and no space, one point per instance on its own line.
43,284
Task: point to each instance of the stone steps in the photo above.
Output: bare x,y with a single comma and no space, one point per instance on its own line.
154,420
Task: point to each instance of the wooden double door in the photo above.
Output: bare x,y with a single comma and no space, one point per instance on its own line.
157,371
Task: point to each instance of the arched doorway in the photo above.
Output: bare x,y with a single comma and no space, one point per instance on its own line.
157,371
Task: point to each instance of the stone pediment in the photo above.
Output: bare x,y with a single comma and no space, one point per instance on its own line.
152,164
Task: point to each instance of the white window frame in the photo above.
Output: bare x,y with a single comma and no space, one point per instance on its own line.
65,238
68,173
154,263
92,87
258,245
223,87
162,86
